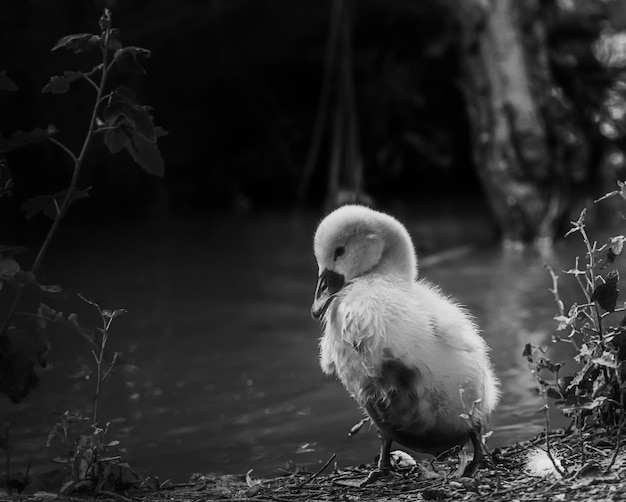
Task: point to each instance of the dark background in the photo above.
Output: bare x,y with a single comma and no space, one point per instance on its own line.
237,84
218,299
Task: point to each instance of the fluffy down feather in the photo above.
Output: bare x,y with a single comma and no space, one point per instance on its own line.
401,348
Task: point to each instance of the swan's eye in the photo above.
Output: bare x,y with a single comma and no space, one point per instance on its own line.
339,252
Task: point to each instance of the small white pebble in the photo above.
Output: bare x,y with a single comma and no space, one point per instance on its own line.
401,459
538,464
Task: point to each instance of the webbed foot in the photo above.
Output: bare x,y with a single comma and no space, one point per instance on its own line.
471,469
479,454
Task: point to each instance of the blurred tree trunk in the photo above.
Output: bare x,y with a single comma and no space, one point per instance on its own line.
337,116
507,83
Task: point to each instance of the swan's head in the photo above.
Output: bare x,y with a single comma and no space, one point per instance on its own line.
354,241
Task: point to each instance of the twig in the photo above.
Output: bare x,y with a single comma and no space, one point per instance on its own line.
313,476
518,487
618,444
63,147
118,496
547,421
90,80
583,452
555,290
599,324
8,456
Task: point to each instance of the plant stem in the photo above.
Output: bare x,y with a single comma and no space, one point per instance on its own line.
580,423
622,419
546,417
64,148
69,196
599,324
555,290
99,379
8,457
319,471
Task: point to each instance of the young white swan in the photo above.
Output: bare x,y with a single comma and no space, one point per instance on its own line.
401,348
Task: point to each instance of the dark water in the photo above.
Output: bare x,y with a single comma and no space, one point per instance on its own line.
223,374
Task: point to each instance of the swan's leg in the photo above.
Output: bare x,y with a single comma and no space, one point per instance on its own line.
479,454
384,461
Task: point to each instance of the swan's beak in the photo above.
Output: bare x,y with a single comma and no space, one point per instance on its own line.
328,283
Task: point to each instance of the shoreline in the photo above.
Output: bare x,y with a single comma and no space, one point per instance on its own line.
585,479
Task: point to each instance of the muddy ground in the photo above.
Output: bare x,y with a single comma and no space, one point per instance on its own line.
594,472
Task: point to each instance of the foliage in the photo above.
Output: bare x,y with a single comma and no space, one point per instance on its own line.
93,461
25,336
593,396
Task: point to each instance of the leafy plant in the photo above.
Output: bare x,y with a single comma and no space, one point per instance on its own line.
124,124
593,396
94,462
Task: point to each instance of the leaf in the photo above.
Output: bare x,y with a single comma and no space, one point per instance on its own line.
78,43
606,294
543,363
578,224
573,402
583,403
6,84
128,57
50,204
607,359
528,352
251,482
112,314
579,378
105,20
146,154
574,271
65,488
8,267
143,151
554,394
615,248
20,138
568,320
123,104
26,279
37,204
116,139
113,41
130,126
60,84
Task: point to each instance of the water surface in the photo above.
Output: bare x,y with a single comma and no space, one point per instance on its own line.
223,373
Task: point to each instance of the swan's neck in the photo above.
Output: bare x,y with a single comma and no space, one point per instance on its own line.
399,260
